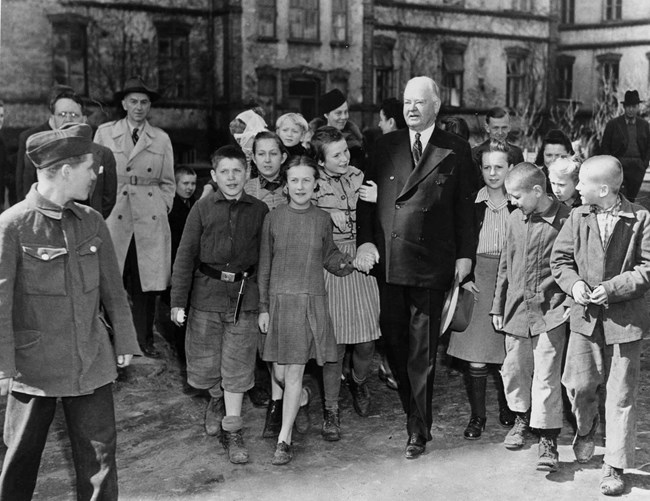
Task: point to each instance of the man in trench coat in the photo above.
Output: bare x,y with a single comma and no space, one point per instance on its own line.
145,194
420,232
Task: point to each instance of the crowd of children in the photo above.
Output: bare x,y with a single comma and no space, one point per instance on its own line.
266,264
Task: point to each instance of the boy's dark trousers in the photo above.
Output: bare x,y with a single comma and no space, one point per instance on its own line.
90,420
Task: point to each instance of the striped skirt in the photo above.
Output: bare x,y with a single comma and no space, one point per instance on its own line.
353,303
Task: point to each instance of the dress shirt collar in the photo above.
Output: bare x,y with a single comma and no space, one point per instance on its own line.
425,135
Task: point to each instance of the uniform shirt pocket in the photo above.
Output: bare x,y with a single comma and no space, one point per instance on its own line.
44,270
88,255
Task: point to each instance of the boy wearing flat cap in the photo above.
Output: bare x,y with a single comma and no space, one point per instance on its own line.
58,265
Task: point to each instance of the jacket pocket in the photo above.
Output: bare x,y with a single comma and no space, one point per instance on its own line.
87,253
44,270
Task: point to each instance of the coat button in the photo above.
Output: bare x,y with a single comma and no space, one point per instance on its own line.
150,194
93,248
342,197
153,217
398,206
393,235
125,193
119,217
128,169
391,177
45,257
149,169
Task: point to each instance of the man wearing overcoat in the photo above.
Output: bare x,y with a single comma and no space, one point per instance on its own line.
420,232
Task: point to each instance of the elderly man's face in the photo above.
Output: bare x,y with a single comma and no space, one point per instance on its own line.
421,104
66,111
137,106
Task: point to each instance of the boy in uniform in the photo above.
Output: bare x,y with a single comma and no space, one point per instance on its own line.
602,259
222,235
528,307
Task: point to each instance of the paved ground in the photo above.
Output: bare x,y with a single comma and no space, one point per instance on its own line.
164,454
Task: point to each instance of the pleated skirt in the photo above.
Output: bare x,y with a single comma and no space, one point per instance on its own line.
480,343
353,303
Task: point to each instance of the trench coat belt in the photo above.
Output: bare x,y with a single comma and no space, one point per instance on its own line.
138,180
225,276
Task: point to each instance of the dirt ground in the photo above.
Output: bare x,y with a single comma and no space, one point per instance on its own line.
164,454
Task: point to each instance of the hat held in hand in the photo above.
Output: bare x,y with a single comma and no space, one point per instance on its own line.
47,148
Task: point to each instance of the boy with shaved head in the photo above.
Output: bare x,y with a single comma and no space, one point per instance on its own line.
602,259
528,307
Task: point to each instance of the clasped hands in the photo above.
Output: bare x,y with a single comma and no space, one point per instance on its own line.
583,295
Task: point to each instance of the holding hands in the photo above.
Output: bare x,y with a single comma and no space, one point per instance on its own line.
367,257
368,192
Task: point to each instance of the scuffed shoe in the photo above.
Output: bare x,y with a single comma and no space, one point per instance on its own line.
611,482
548,457
233,442
475,427
584,446
283,454
515,438
273,421
214,414
331,426
360,397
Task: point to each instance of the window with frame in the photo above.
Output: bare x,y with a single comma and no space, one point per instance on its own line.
70,53
564,76
339,20
515,78
608,66
266,15
173,60
303,20
522,5
267,89
613,10
383,68
453,70
567,11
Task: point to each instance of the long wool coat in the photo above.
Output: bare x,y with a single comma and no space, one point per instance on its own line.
145,195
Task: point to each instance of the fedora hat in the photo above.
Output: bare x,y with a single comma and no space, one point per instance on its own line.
136,84
631,98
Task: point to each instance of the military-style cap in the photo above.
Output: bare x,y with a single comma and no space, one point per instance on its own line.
332,100
45,149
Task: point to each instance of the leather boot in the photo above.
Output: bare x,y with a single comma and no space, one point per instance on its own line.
476,385
273,422
331,425
214,413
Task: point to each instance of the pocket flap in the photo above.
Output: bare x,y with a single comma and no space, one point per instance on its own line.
44,253
90,246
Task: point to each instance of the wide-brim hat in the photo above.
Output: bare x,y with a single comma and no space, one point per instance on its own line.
631,98
46,148
136,84
332,100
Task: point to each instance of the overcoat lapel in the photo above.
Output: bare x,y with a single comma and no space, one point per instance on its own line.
143,143
431,158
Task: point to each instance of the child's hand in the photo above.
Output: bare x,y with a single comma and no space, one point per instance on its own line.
263,322
339,219
497,322
471,286
598,295
368,192
581,293
178,316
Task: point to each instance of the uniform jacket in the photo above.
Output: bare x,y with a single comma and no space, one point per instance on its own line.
615,138
526,294
423,219
58,264
622,267
103,193
145,194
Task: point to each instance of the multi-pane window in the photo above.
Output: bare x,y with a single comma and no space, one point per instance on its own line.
383,67
515,79
173,60
303,20
613,10
452,74
564,77
266,18
522,5
567,11
69,55
339,20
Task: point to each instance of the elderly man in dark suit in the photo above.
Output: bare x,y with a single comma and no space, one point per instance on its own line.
421,232
628,138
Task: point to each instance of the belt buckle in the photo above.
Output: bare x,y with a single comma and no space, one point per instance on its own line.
133,180
227,276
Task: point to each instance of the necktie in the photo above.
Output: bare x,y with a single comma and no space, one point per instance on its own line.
417,148
135,136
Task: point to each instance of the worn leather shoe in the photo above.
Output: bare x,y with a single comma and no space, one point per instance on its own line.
548,458
233,442
475,427
214,414
506,417
283,454
516,437
360,397
149,351
584,446
273,422
331,425
415,446
611,482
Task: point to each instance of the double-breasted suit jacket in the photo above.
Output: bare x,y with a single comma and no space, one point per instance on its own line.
145,195
423,219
